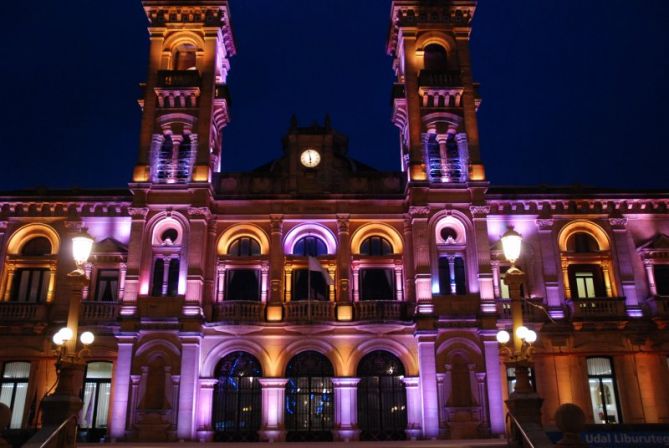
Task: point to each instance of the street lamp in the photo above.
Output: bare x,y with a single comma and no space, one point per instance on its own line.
520,355
65,402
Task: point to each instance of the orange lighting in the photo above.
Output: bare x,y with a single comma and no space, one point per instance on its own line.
477,172
201,173
141,173
345,312
274,313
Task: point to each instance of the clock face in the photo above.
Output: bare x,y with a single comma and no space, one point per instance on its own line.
310,158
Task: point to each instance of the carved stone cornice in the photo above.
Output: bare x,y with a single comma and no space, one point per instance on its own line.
618,223
545,224
343,223
138,212
199,213
419,211
479,211
276,223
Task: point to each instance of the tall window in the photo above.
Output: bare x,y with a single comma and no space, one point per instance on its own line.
603,391
95,411
377,284
309,285
244,247
435,58
382,411
376,246
242,284
185,57
661,272
31,284
586,281
309,398
237,398
452,278
14,390
310,246
106,286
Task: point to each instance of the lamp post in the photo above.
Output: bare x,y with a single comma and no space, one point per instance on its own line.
523,402
65,401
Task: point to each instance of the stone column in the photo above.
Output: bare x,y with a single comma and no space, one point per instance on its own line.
346,408
123,270
650,276
205,406
625,252
485,279
190,364
117,423
428,383
421,246
441,394
414,429
136,382
495,398
276,259
220,282
343,258
273,406
484,429
399,287
264,275
442,139
551,266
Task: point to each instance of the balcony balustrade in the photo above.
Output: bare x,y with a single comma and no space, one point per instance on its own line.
26,312
434,78
383,310
97,312
597,308
309,311
239,311
178,78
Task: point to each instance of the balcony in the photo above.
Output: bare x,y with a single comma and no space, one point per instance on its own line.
533,310
23,312
431,78
383,310
178,78
597,308
99,312
310,311
239,311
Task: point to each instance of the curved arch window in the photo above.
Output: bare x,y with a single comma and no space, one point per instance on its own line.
244,247
435,58
582,243
237,398
95,410
449,234
376,246
309,398
603,391
14,390
36,247
185,57
310,246
382,411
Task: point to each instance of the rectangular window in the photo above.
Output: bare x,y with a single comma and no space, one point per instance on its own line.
30,285
662,279
586,281
585,285
452,279
106,287
603,391
14,390
377,284
97,387
242,284
304,280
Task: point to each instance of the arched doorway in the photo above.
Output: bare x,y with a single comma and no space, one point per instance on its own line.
382,413
237,398
309,398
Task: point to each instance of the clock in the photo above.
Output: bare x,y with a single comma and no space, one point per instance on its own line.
310,158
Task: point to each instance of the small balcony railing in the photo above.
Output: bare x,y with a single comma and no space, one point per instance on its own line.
309,311
239,311
597,308
27,312
382,310
99,311
439,78
178,78
534,309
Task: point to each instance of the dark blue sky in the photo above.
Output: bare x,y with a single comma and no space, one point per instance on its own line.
574,91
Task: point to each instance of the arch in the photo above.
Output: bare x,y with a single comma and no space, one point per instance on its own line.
453,223
310,229
29,231
242,230
583,226
466,348
184,56
167,122
183,37
435,37
435,57
376,229
326,349
163,231
396,348
223,349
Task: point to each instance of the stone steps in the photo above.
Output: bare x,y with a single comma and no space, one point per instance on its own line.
479,443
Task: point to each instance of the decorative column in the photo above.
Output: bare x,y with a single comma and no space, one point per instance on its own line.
650,274
273,405
428,383
494,375
441,394
414,429
346,408
484,429
442,139
356,282
137,280
276,258
625,251
399,287
117,423
264,275
123,270
86,288
485,279
494,264
136,381
190,364
550,275
205,406
220,282
422,272
343,258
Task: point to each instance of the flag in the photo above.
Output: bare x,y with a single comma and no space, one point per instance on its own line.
314,265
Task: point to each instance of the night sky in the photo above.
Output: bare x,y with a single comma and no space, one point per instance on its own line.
574,91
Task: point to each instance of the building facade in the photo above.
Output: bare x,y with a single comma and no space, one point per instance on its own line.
212,324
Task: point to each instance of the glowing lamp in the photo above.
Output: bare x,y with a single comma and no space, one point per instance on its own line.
65,334
531,336
511,243
522,332
503,336
81,248
58,339
87,338
344,313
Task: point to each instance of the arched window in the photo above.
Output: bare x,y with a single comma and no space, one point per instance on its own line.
382,411
376,246
586,279
310,246
309,398
36,247
582,243
435,58
449,235
95,411
31,284
237,398
452,278
185,57
244,247
14,390
158,275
